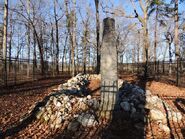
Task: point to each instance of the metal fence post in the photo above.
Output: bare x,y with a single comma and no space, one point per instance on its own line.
15,72
5,71
177,73
180,70
157,68
163,67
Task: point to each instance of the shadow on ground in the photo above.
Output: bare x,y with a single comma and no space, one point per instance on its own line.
27,120
180,104
120,126
31,86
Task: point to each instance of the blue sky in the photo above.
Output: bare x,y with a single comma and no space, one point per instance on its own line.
121,3
124,3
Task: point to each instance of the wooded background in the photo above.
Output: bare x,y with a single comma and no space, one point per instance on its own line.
43,38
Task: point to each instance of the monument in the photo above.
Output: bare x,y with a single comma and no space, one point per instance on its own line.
108,69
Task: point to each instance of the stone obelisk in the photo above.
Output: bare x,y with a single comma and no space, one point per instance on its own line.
108,68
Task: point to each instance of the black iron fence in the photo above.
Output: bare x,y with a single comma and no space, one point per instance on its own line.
167,70
21,70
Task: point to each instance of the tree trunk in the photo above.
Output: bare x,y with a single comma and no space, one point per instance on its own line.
155,41
73,59
10,43
176,39
5,39
70,29
57,38
77,68
84,55
73,39
89,59
52,51
41,52
97,36
146,44
28,39
34,54
69,66
138,51
64,54
28,45
170,59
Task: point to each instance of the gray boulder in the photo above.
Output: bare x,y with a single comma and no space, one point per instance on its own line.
73,125
125,106
87,120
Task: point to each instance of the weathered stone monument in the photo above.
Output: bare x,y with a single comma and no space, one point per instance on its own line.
108,69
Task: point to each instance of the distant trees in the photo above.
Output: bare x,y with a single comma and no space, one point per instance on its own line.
143,19
69,37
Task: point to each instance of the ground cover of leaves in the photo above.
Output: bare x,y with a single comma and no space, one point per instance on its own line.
16,102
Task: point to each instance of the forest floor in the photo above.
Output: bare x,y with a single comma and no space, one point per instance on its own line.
15,102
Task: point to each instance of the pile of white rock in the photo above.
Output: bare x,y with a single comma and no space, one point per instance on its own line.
138,104
161,112
76,85
70,103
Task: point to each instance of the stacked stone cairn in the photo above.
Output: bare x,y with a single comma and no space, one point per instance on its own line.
70,102
138,104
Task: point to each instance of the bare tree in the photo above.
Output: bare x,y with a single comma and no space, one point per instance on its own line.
73,38
5,39
85,41
169,38
156,40
97,36
28,39
10,41
176,37
57,37
71,27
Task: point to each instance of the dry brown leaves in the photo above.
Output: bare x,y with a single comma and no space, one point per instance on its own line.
17,104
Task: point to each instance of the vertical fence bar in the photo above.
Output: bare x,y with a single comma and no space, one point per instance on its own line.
158,70
163,67
5,72
15,72
177,72
180,71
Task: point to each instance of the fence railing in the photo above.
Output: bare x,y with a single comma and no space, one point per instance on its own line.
172,71
21,70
